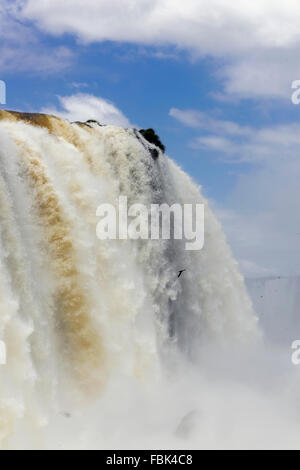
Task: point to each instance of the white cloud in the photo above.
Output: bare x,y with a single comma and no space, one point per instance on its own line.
236,143
79,85
227,148
253,270
259,39
200,120
20,48
263,222
189,23
34,59
81,107
268,143
262,73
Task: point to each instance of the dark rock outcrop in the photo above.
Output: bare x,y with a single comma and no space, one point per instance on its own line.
79,123
93,121
151,136
154,153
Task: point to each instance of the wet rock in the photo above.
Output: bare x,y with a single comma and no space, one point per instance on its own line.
153,138
154,153
79,123
93,121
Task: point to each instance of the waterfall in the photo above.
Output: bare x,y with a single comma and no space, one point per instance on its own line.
78,315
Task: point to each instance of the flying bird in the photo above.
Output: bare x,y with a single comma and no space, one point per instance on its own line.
181,272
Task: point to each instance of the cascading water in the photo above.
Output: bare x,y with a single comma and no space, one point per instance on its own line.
81,317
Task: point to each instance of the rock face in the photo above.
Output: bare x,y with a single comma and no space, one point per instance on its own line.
154,153
150,140
153,138
93,121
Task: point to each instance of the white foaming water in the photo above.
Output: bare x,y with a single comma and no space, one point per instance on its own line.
105,346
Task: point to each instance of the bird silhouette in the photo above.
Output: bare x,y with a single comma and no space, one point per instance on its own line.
181,272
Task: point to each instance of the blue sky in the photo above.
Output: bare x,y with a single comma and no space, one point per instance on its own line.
144,87
214,80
